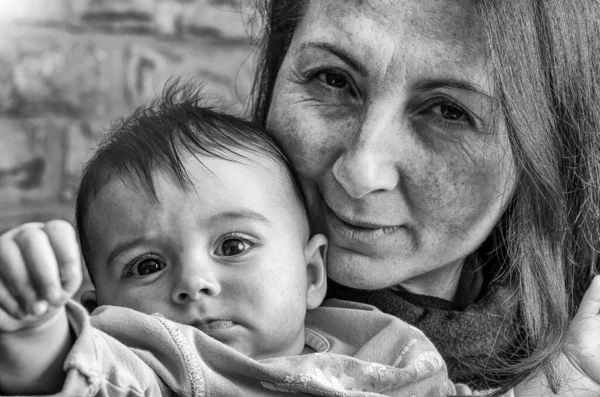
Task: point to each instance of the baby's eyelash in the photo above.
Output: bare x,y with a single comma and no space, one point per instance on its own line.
249,241
126,271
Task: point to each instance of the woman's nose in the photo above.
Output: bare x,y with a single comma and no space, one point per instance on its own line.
369,162
196,283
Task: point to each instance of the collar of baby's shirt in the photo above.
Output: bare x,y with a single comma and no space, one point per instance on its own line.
316,341
313,339
83,355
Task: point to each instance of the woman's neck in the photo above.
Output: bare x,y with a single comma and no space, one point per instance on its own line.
444,283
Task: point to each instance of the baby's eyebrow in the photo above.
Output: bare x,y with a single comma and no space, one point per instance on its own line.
125,245
236,215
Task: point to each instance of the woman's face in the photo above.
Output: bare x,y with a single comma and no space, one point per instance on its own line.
385,109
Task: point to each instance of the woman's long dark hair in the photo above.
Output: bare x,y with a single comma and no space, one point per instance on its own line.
279,18
546,62
544,55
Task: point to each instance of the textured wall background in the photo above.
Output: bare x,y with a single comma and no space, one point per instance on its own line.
69,67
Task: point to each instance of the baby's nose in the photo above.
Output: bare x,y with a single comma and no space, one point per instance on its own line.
192,287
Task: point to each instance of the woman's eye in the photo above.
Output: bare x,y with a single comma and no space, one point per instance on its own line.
450,112
331,83
445,115
147,267
334,79
233,246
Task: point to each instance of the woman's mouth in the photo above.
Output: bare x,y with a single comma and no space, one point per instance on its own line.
358,229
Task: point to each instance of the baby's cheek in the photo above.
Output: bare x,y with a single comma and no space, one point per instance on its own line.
148,303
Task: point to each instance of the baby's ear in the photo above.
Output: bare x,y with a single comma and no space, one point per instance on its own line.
89,301
315,253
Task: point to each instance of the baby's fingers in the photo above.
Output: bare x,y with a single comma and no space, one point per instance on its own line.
583,349
590,304
8,303
66,249
15,279
42,266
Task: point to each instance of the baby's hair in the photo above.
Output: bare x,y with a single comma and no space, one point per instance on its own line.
159,136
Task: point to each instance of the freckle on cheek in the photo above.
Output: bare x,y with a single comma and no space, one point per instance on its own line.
284,130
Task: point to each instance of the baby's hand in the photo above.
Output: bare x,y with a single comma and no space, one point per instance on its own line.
583,348
40,268
579,365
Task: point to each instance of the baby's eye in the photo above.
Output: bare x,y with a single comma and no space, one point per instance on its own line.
234,246
147,267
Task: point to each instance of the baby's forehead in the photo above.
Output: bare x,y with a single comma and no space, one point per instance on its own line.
275,177
268,176
276,182
261,182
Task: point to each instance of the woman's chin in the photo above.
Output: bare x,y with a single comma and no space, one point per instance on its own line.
355,270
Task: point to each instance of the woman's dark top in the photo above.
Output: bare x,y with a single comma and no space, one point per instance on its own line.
463,335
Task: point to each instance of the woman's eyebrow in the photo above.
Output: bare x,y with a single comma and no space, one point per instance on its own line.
432,84
338,52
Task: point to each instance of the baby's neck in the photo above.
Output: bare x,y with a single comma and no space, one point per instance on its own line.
308,350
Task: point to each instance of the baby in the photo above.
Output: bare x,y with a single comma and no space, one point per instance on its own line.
207,278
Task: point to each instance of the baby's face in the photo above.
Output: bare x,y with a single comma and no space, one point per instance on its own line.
228,258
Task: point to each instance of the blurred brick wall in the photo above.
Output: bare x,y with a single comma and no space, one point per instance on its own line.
69,67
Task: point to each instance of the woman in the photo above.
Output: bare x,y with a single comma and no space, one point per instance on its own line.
449,149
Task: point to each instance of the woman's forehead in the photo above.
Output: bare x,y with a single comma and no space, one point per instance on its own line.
397,45
453,23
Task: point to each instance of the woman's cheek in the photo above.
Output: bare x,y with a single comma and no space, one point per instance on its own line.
460,195
309,137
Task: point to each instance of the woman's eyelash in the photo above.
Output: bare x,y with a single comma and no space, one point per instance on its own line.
449,123
320,76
